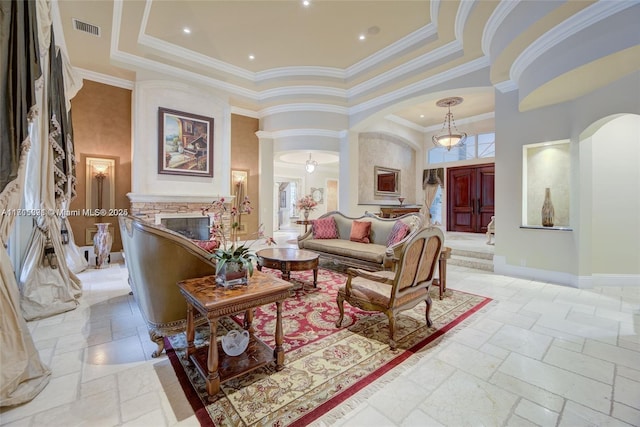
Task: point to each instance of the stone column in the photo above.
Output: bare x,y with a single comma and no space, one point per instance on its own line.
266,172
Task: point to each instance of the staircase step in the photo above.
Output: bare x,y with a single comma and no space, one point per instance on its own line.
472,254
471,262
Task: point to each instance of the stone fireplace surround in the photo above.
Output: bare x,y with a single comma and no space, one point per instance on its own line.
153,207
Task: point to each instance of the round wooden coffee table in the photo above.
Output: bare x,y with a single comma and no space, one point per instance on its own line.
288,260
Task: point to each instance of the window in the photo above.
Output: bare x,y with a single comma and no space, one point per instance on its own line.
477,146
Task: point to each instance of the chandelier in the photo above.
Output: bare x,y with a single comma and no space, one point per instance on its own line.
449,136
310,165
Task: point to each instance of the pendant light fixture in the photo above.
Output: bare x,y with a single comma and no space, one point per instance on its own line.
449,136
310,166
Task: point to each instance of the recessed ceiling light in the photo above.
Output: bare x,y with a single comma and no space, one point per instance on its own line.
422,116
362,37
186,30
252,57
306,3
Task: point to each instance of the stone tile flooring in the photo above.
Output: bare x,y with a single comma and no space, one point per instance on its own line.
539,354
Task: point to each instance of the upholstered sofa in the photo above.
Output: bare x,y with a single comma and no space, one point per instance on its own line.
377,254
156,259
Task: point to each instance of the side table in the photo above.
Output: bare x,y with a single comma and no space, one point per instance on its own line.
213,302
441,281
304,222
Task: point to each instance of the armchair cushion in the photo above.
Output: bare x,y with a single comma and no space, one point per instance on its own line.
325,228
360,231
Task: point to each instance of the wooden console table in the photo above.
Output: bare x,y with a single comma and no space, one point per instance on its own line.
213,302
396,211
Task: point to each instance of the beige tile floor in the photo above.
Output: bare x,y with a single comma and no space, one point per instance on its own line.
539,354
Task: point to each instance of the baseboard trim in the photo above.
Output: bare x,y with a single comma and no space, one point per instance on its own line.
500,266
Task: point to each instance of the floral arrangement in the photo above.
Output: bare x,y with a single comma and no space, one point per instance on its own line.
228,252
306,203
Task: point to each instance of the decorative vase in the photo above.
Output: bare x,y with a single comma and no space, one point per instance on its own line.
102,244
306,214
231,274
547,209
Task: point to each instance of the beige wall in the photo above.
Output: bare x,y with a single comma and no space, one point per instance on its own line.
101,128
245,156
378,149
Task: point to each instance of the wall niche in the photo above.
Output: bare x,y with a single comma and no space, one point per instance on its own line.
546,165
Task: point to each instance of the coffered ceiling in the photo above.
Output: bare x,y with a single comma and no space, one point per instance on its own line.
344,54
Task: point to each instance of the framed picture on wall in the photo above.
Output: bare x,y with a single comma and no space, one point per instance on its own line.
185,143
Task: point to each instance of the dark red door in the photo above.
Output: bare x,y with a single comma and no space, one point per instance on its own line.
470,198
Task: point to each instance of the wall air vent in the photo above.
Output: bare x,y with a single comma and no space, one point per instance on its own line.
86,27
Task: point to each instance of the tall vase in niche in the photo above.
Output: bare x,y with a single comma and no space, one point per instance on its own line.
102,244
547,209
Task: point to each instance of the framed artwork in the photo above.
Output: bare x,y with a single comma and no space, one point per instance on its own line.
317,194
185,143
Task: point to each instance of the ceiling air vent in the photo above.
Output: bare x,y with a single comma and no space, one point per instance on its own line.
86,27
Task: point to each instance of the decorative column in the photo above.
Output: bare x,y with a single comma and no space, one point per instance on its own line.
266,172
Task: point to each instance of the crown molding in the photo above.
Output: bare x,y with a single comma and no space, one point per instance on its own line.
464,9
245,112
465,121
302,91
404,122
506,86
420,35
412,89
413,65
147,64
299,107
285,133
496,19
104,78
176,51
434,8
576,23
301,71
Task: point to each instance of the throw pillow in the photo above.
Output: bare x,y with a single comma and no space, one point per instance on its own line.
398,232
207,245
325,228
360,231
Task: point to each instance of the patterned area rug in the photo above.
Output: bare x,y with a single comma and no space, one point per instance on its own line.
324,365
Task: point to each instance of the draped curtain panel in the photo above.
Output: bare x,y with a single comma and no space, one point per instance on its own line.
48,286
431,181
23,375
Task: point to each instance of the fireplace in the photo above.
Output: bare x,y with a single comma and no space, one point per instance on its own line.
192,227
182,214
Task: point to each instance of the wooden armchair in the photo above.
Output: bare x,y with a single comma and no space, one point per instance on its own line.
391,292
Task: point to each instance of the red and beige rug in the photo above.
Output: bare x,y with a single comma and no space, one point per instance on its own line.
325,365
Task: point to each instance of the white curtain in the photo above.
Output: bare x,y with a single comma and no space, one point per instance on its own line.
23,375
430,185
48,285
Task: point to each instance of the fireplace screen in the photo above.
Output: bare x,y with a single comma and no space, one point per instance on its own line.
196,228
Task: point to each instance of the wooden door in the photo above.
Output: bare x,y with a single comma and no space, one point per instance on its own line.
470,198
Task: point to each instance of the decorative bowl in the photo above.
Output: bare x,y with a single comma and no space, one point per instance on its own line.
235,342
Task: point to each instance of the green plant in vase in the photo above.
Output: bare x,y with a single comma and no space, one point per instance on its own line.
234,261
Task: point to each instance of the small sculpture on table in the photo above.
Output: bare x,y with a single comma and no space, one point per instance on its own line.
401,200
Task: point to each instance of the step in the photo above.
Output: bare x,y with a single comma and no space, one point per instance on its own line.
471,262
472,254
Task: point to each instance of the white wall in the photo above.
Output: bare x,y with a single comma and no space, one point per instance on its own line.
615,203
147,97
558,256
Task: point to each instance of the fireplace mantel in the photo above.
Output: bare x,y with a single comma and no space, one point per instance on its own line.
149,207
169,198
